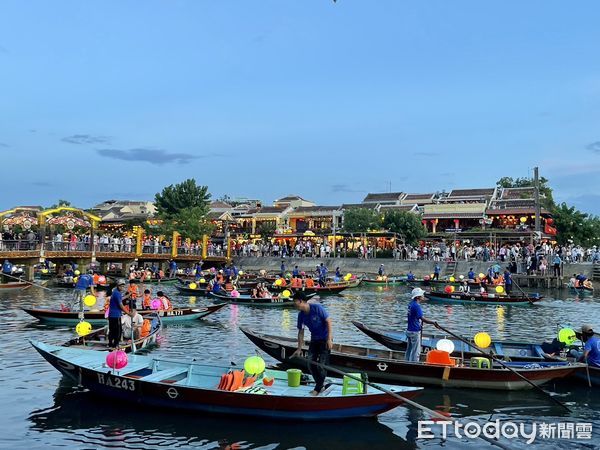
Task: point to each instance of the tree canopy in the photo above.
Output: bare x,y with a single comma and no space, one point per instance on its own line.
406,224
546,198
183,208
360,220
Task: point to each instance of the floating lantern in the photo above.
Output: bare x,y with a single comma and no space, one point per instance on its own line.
156,303
83,328
235,294
445,345
286,294
567,336
499,289
117,359
192,286
89,300
482,340
254,365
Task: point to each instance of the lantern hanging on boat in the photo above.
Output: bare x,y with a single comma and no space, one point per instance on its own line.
567,336
254,365
192,286
117,359
202,280
461,277
241,272
448,289
426,278
77,272
481,276
83,328
482,340
445,345
523,219
499,289
278,282
452,279
44,270
286,293
75,279
89,300
235,294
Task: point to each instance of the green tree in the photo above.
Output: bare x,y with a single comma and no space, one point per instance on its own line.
183,208
574,225
266,229
60,203
406,224
360,220
546,198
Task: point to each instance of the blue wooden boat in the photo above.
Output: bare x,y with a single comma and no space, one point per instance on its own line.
187,385
58,317
479,299
582,375
274,301
514,351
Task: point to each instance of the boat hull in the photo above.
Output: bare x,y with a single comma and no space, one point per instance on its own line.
259,302
14,286
474,299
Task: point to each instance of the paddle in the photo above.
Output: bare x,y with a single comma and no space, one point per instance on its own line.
489,355
414,404
25,281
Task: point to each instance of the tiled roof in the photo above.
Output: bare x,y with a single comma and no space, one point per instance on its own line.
358,205
385,196
514,211
218,204
398,207
302,209
410,197
517,193
453,216
471,192
289,198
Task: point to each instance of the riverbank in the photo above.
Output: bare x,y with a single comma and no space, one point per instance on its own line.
392,267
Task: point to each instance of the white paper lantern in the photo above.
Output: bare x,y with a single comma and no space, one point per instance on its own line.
445,345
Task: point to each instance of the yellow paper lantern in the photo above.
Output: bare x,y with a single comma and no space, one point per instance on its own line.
83,328
89,300
44,270
286,294
452,279
75,279
523,219
193,286
431,276
241,272
445,345
567,336
278,282
482,340
499,289
254,365
481,276
202,280
348,277
77,272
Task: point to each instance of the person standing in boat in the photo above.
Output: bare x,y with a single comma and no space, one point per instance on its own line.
415,325
316,319
436,272
591,348
115,311
508,281
84,282
6,271
381,270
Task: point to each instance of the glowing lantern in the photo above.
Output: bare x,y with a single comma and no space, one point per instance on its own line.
482,340
192,286
44,270
117,359
499,289
481,276
202,280
241,272
445,345
89,300
431,276
567,336
278,282
77,272
101,279
462,277
156,303
254,365
286,293
523,219
75,279
452,279
348,277
83,328
448,289
235,294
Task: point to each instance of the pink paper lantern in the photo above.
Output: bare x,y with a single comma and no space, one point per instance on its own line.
116,359
235,294
101,279
156,303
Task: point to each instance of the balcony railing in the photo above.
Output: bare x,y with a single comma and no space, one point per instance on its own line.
19,246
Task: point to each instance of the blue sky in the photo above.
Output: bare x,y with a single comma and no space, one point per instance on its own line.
116,99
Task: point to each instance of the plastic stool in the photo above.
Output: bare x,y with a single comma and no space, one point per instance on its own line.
480,362
352,386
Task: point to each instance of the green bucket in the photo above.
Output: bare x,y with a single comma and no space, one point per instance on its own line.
294,376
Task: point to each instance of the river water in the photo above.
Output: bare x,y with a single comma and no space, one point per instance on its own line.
39,409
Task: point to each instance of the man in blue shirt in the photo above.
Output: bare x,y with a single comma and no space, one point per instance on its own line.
556,263
410,276
415,325
591,349
322,275
115,311
471,274
6,271
436,272
508,281
84,282
172,269
316,319
282,274
381,270
296,272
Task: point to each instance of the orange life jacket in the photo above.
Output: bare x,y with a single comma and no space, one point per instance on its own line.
146,327
310,283
95,278
147,300
133,290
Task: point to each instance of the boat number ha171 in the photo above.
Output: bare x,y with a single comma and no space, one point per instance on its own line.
119,383
175,313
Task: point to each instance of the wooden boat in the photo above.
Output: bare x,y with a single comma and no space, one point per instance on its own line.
55,316
328,289
275,301
582,375
167,281
380,281
61,283
14,286
479,299
581,289
98,339
513,351
389,366
187,385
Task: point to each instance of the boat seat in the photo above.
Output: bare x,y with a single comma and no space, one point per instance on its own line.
132,368
165,374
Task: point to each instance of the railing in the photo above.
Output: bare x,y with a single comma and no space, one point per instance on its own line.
186,250
18,245
156,249
59,246
115,248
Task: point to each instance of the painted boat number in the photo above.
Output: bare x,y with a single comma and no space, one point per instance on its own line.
172,393
174,313
120,383
382,366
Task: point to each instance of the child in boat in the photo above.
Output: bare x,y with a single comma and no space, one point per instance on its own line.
166,301
131,324
134,292
147,299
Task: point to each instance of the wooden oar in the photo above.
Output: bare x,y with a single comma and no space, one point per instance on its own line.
412,403
25,281
489,355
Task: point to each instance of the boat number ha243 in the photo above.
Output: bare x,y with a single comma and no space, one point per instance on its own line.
119,383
